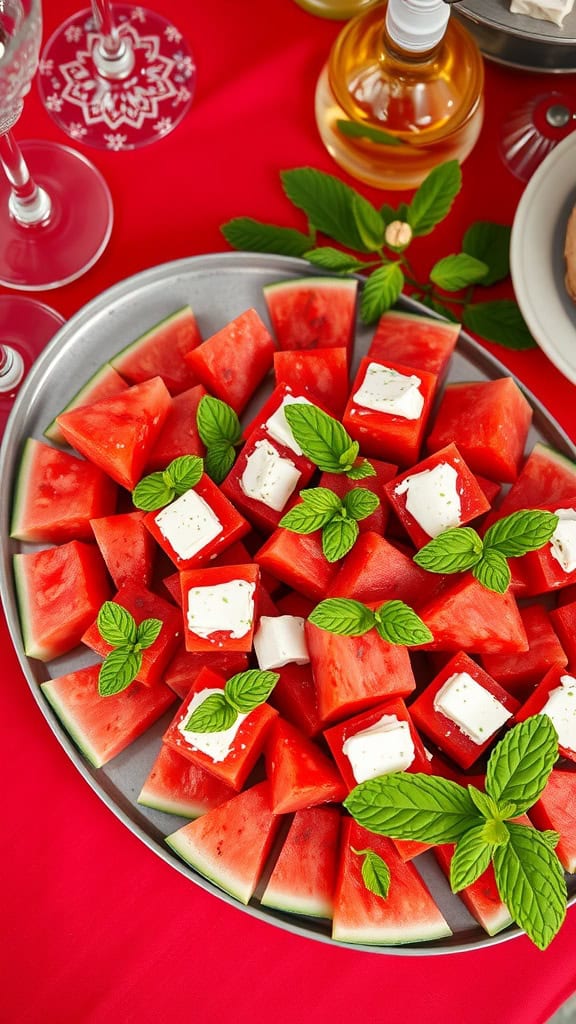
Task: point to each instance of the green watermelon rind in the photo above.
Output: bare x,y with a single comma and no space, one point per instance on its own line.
279,898
182,808
396,936
125,355
227,880
21,485
32,648
82,397
80,737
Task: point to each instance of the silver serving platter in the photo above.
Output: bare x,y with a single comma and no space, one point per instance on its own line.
519,41
218,287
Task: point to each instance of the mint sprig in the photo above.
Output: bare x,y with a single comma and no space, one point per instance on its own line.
343,215
242,693
394,621
337,518
461,548
325,441
430,809
118,628
158,489
375,872
220,431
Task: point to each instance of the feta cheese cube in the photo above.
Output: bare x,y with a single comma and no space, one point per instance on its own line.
471,707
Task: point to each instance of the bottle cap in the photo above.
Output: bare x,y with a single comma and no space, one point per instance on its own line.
417,25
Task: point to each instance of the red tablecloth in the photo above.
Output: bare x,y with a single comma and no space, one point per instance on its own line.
97,928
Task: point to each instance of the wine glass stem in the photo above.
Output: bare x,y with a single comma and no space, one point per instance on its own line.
29,204
112,55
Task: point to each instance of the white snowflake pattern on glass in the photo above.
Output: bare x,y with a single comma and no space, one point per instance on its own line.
77,130
115,141
184,64
172,34
46,67
163,125
182,96
138,14
54,102
73,34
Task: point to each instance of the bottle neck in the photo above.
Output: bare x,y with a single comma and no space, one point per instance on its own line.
415,28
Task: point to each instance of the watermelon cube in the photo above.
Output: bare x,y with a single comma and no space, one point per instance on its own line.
422,342
175,785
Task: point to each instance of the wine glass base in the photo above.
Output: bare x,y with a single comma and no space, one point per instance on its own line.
529,133
44,256
117,113
25,326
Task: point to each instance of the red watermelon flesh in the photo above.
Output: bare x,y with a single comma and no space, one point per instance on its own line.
313,312
304,875
421,342
104,726
179,435
103,384
556,810
482,898
177,786
127,547
408,914
230,844
160,352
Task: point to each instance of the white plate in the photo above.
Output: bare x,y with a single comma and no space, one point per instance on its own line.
537,256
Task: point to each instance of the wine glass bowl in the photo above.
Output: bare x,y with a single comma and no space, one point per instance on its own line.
116,77
533,130
20,39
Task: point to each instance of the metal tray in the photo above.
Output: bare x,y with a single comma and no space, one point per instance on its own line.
218,287
519,41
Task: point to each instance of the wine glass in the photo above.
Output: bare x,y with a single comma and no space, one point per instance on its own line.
116,77
55,207
18,347
532,131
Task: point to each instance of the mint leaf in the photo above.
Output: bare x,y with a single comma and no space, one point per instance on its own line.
370,225
304,520
247,690
406,805
184,473
214,714
348,457
321,500
253,236
360,502
531,883
375,872
470,859
118,670
550,838
328,258
489,243
355,130
455,550
322,438
521,762
433,200
381,290
219,460
493,571
520,532
338,538
485,804
342,615
116,625
397,623
217,422
152,492
500,321
148,631
452,273
361,470
326,201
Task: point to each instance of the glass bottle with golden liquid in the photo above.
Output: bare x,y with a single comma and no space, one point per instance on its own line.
404,68
339,10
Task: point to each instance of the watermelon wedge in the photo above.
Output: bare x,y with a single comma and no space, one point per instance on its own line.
421,342
177,786
556,810
408,914
160,352
313,312
304,875
103,384
104,726
230,844
481,898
